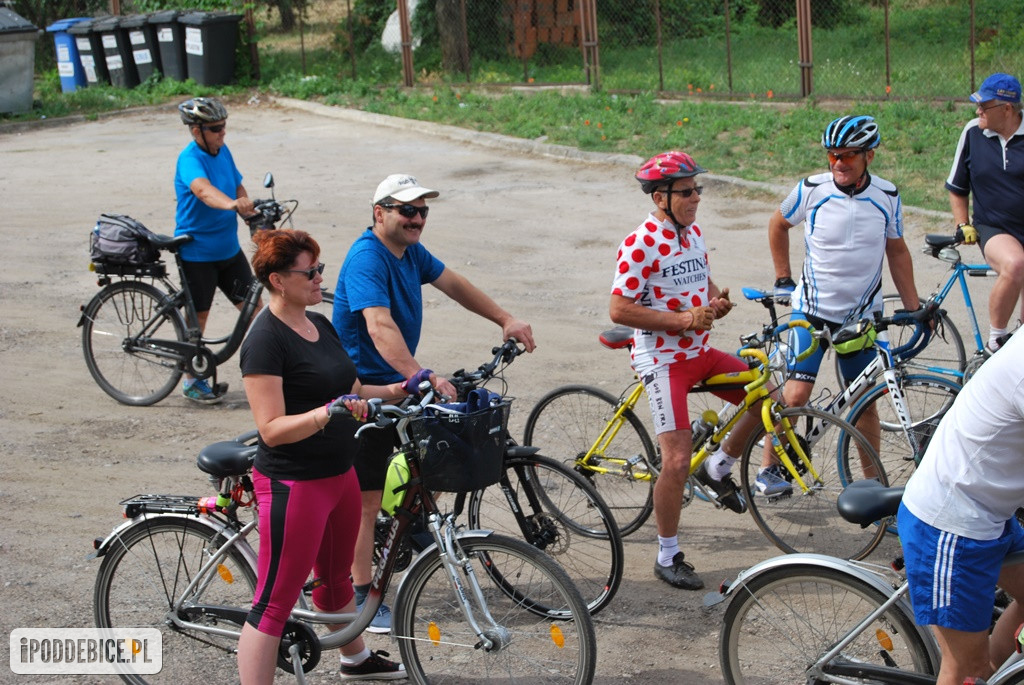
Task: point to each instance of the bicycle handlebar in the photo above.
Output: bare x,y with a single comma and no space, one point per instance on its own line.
464,381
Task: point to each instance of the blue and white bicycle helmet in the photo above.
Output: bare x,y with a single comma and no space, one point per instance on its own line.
851,131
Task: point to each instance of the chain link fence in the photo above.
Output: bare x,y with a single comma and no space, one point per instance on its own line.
759,49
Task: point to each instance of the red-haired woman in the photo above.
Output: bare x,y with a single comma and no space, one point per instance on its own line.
294,368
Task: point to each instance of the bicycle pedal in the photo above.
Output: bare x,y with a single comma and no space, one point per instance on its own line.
220,389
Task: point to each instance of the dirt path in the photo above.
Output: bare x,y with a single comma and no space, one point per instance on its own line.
537,233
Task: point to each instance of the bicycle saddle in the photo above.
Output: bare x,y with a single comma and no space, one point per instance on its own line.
168,242
617,338
868,501
940,240
227,458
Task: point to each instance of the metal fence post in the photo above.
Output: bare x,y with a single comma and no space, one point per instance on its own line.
657,27
589,43
406,31
803,27
728,47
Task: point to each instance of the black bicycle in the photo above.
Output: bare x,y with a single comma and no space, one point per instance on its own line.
140,332
540,500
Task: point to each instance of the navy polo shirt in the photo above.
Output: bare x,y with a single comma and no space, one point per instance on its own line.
993,174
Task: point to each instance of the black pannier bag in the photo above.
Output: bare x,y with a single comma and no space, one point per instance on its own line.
120,239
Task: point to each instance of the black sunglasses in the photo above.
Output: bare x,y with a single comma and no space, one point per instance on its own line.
310,272
214,129
687,192
407,210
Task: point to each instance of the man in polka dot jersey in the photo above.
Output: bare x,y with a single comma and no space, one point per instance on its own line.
663,289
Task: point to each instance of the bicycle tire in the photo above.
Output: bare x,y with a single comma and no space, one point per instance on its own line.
785,619
146,569
438,645
810,522
565,518
567,421
945,350
138,377
927,397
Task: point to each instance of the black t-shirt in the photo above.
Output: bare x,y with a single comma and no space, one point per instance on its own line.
312,374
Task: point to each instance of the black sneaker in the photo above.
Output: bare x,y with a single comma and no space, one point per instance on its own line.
679,574
375,667
726,492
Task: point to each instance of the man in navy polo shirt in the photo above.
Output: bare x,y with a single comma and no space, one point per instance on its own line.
989,164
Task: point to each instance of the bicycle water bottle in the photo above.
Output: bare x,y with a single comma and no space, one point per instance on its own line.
704,426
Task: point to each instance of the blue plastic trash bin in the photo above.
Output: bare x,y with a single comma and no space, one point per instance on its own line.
69,65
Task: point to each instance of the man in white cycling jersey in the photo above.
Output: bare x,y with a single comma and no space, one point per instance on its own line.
957,521
853,221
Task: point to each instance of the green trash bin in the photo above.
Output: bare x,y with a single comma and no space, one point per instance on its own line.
90,53
18,38
210,41
170,40
142,43
117,52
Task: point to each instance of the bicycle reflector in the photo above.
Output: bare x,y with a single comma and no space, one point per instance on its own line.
855,338
397,476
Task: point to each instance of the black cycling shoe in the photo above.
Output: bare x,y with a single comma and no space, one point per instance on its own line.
679,574
725,490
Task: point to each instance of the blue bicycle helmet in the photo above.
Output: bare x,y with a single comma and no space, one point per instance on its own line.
851,131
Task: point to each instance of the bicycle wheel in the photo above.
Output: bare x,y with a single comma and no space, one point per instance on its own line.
782,621
809,521
144,573
439,646
566,422
146,373
927,399
944,351
563,516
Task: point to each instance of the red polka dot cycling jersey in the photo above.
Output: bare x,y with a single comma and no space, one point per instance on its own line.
666,271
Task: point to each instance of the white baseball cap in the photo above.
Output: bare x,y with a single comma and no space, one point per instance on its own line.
402,187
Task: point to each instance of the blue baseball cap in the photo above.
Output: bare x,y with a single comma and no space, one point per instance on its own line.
1001,87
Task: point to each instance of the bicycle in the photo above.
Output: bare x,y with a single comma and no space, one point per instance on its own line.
946,354
607,443
818,619
139,338
542,501
909,404
474,606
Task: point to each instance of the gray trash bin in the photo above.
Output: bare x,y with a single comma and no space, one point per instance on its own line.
18,38
170,40
210,41
142,42
90,53
117,52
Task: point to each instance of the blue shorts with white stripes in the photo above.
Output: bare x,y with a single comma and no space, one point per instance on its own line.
953,578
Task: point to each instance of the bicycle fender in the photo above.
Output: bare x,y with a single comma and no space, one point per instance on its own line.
144,519
87,307
424,556
861,572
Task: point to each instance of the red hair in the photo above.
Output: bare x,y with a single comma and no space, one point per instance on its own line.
277,250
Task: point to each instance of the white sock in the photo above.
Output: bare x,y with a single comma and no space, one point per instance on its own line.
993,337
720,464
667,548
356,659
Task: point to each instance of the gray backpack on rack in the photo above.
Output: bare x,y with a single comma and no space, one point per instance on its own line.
120,239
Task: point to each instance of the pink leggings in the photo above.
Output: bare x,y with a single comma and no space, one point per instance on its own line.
304,524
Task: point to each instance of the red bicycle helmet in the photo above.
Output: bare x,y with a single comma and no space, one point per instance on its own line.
662,169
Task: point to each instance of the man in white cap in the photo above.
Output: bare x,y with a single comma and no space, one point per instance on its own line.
378,313
989,164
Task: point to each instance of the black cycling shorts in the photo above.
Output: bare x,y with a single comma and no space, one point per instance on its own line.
232,276
986,232
371,459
